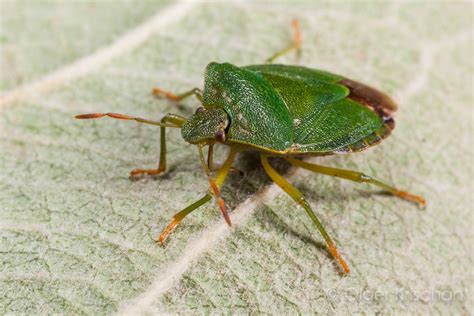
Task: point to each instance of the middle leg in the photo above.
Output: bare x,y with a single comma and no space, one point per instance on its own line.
298,198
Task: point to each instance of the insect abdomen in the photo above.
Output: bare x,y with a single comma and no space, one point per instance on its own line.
373,139
378,102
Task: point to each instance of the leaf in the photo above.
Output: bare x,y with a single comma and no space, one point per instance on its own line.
77,234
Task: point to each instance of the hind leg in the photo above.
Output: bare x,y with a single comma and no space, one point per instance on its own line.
358,177
294,45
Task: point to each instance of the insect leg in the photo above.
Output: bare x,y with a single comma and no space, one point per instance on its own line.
169,118
212,183
298,197
210,157
357,177
158,92
219,180
178,217
295,44
210,162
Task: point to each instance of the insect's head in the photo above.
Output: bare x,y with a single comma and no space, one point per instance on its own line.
206,126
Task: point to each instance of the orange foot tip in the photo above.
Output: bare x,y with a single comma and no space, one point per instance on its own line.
335,254
411,197
163,93
224,211
164,235
137,172
296,33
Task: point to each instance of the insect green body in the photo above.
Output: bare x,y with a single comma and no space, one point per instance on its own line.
288,110
280,111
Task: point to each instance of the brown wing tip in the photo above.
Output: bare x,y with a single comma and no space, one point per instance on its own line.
377,101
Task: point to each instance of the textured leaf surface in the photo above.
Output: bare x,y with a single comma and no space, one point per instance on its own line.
76,235
39,36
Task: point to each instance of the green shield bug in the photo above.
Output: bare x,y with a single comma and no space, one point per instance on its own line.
279,111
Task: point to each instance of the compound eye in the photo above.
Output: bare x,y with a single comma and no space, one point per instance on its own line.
199,109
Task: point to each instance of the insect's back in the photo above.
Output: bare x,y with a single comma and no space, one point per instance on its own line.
330,113
258,115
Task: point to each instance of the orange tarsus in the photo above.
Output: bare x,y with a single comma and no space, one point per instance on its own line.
224,211
150,172
167,94
297,38
411,197
220,200
161,239
335,254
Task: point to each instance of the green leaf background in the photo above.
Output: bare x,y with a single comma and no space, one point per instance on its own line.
76,235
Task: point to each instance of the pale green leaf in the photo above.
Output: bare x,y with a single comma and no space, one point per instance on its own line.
76,235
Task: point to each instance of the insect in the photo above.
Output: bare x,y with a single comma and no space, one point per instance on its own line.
279,111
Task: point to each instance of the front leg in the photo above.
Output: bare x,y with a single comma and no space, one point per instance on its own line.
169,118
158,92
218,181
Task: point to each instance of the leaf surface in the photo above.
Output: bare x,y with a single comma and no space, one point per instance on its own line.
76,235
